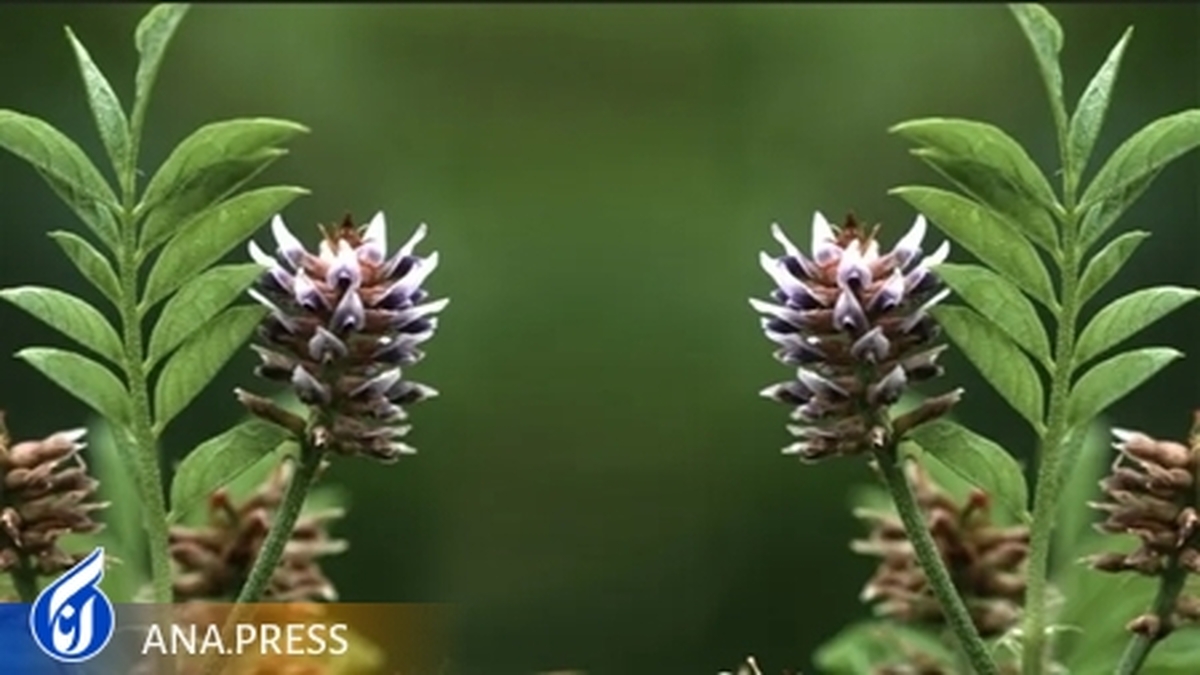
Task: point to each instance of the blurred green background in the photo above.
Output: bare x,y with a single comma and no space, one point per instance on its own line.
599,487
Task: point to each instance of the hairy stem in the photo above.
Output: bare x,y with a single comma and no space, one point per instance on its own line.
24,580
959,619
1138,651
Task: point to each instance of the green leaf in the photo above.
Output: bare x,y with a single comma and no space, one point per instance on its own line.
187,200
98,216
106,108
1046,38
60,161
203,240
990,188
1111,380
983,144
978,460
83,378
995,356
1145,153
213,145
1105,265
1125,316
68,315
91,263
196,303
993,296
985,236
1102,215
152,36
861,648
1086,452
1093,105
220,459
200,358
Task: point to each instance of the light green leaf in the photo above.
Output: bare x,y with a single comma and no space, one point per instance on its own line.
1105,265
1046,38
985,236
213,145
1145,153
1000,361
1093,105
983,144
1000,301
860,648
83,378
68,315
91,263
1125,316
1102,215
98,216
1111,380
203,240
196,303
106,108
978,460
991,189
200,358
152,36
190,199
1086,452
220,459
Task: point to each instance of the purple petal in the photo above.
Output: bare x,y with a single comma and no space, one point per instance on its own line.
820,386
848,314
792,392
909,246
872,347
288,246
325,346
398,352
308,389
824,240
374,246
306,293
924,366
888,390
344,272
349,314
407,393
793,289
889,295
922,312
411,279
852,270
378,385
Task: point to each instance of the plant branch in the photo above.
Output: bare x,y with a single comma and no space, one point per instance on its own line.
24,580
1138,651
891,466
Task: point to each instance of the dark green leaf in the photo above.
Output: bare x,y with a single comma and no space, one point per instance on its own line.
206,188
1102,215
985,236
1093,105
978,460
1000,361
91,263
83,378
1108,262
990,188
152,36
985,145
1046,38
70,316
1127,315
106,108
1111,380
200,358
213,145
203,240
219,460
1146,152
198,301
994,297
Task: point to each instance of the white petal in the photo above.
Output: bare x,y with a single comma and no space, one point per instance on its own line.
377,231
411,245
788,247
911,241
289,246
822,233
938,256
260,256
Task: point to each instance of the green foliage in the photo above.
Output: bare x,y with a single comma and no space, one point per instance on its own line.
1126,316
91,263
1088,117
1113,379
196,303
83,378
106,108
1105,265
1141,157
993,295
862,648
978,460
153,34
70,316
219,460
1046,38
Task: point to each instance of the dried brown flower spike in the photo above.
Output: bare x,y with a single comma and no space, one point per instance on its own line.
45,493
212,562
985,561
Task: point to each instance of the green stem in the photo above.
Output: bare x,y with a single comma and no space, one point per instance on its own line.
891,466
24,580
1138,651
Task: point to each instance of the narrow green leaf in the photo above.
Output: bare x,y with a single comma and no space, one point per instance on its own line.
1000,361
198,301
978,460
1125,316
151,38
220,459
860,647
68,315
200,358
98,216
1046,38
994,297
83,378
1111,380
203,240
106,107
1086,452
985,236
215,144
190,199
991,189
1099,217
1105,265
983,144
1146,152
91,263
1093,105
